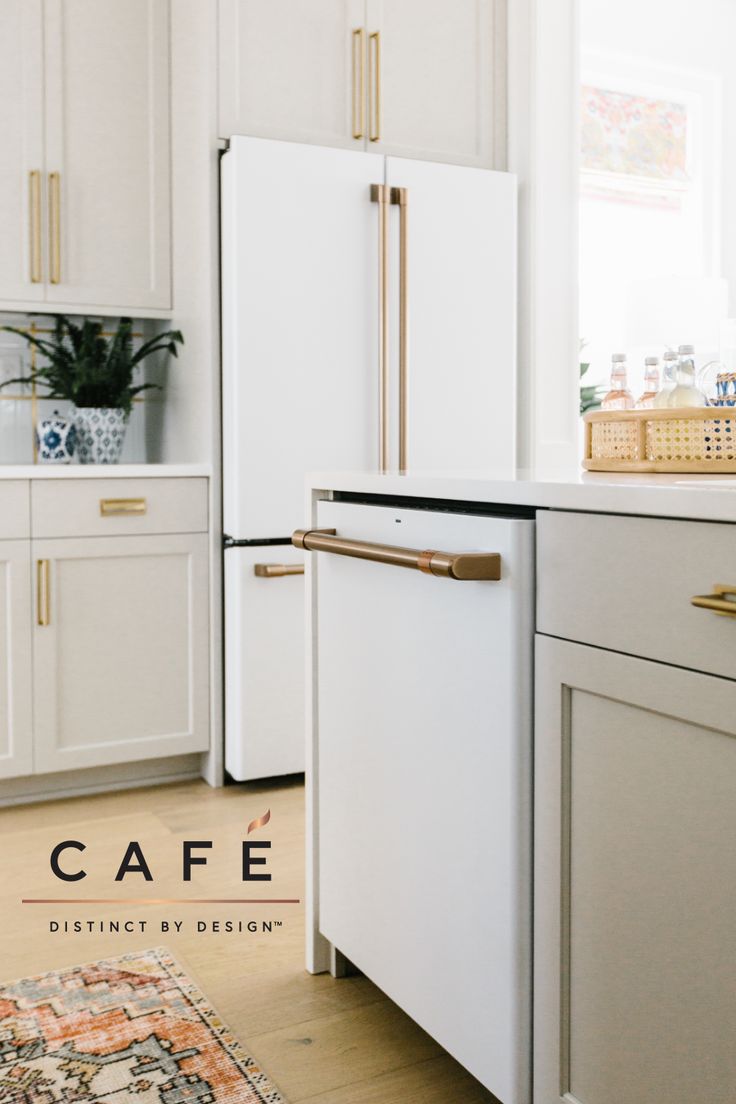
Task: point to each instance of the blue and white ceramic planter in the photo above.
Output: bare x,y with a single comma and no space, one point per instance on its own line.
56,439
100,434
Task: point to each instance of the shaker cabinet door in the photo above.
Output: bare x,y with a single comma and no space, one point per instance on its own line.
292,70
21,139
635,868
107,152
16,746
120,649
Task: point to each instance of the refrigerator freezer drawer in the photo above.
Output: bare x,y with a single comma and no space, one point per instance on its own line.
423,747
264,663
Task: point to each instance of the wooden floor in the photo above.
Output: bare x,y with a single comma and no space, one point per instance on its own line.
322,1041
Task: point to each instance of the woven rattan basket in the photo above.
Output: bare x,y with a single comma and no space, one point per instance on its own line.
691,439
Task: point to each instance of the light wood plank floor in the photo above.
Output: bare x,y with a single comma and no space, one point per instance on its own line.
322,1041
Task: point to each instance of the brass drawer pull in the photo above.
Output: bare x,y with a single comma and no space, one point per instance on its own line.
115,507
718,602
446,565
43,594
276,571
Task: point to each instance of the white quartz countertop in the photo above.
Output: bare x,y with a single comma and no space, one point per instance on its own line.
711,498
102,471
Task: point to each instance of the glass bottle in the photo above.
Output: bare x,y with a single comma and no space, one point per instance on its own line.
686,391
669,362
619,397
651,383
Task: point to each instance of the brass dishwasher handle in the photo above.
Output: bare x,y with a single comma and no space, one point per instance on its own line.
446,565
275,571
43,594
114,507
359,83
717,602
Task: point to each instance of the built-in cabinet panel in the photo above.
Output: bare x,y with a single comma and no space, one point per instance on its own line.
21,139
16,731
120,649
635,866
408,77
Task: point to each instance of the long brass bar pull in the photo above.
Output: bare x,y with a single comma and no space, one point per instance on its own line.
446,565
381,194
359,83
55,227
374,74
43,593
400,196
719,601
34,207
117,507
276,571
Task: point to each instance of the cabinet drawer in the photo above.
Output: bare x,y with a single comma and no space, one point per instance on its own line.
15,519
625,584
115,507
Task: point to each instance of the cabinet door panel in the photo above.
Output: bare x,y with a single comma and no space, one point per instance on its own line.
634,877
21,131
16,748
286,69
107,108
120,670
442,79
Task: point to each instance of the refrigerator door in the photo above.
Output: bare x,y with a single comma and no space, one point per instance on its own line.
264,664
460,315
423,775
300,322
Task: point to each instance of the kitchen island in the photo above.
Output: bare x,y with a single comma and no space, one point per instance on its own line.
591,681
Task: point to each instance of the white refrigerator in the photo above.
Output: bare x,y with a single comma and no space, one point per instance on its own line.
369,322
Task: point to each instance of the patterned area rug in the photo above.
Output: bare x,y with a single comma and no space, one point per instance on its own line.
130,1029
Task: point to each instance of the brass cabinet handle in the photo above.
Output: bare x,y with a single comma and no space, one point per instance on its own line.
34,206
275,571
359,83
374,75
114,507
43,593
381,194
717,602
400,196
55,227
446,565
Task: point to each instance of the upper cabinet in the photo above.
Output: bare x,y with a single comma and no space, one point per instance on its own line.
85,180
412,78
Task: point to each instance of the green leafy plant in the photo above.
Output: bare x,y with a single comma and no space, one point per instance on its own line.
590,394
86,368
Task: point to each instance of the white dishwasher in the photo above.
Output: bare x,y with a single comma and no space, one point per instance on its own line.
422,768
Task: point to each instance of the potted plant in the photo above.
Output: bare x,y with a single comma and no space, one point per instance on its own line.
96,374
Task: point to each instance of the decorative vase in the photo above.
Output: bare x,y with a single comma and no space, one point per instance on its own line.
100,434
56,438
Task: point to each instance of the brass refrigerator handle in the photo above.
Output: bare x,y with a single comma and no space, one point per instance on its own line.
381,194
34,204
374,76
400,196
446,565
276,571
359,83
717,602
55,227
43,594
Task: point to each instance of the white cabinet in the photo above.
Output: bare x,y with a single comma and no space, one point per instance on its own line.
405,77
634,988
16,736
84,184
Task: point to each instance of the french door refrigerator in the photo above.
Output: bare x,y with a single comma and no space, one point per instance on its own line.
369,318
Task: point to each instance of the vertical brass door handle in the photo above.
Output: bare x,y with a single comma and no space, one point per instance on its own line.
374,74
359,83
55,227
381,194
43,593
34,208
400,196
